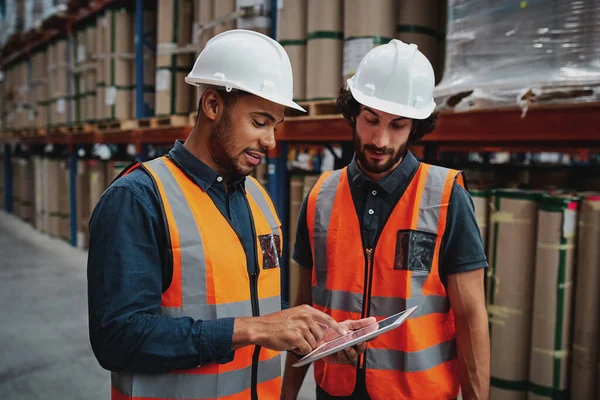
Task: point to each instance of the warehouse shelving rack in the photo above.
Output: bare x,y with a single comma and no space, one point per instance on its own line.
572,128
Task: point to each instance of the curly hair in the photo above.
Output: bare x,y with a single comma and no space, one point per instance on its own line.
351,108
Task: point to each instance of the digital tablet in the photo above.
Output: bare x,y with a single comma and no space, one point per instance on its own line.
355,337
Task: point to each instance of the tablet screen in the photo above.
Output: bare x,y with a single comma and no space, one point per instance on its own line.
356,337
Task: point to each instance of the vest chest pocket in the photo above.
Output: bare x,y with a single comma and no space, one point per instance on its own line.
414,251
270,246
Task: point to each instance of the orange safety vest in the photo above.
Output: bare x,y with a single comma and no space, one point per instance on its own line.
211,280
417,360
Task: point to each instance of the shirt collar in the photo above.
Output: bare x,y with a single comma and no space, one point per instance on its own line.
403,172
204,176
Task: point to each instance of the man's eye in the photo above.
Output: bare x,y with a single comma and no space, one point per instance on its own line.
259,124
399,126
371,121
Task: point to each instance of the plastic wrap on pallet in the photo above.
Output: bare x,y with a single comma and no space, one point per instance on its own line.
52,7
514,52
13,18
34,12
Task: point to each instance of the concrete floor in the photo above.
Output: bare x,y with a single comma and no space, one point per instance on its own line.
43,308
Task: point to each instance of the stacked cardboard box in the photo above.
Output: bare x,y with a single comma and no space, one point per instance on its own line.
57,75
83,203
40,88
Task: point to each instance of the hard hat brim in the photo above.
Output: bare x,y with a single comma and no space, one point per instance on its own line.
216,82
391,107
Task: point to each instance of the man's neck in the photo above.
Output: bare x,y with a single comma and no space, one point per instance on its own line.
198,146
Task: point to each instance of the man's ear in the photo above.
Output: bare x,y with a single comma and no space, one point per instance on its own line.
211,104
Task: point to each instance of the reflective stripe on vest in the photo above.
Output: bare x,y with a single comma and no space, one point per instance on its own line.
424,346
210,281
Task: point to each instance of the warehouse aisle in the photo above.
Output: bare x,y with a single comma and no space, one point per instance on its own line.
43,308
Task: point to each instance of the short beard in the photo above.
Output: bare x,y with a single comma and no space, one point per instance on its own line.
376,168
220,141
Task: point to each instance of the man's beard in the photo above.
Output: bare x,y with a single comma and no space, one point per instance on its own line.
219,141
374,167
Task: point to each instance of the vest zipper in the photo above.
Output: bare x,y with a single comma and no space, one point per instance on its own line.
255,307
366,294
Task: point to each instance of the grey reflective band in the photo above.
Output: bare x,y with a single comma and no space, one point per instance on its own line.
194,386
261,201
193,263
323,211
227,310
429,211
395,360
380,306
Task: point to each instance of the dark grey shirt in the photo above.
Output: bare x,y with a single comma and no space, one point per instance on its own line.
462,246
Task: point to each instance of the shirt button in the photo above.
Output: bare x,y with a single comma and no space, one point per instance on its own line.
374,192
371,212
219,179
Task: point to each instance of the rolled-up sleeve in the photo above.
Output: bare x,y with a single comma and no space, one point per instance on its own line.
127,251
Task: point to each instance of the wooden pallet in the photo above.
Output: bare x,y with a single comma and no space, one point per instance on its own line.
58,130
80,129
319,109
124,125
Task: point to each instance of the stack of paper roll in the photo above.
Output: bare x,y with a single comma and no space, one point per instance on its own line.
97,175
481,199
150,34
98,58
90,72
513,223
366,25
173,95
46,189
296,190
39,83
79,81
324,49
292,36
38,192
221,9
586,333
419,23
83,203
16,189
553,297
57,75
119,64
64,207
204,14
55,187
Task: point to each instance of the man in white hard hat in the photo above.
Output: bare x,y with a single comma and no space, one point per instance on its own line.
387,233
183,267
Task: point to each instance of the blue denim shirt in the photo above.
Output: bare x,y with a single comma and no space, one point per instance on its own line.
127,254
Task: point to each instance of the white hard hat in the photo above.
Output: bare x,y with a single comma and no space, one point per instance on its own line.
395,78
248,61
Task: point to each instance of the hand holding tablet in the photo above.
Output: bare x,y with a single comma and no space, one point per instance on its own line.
371,331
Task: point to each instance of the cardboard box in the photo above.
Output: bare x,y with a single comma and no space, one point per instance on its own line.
97,173
513,224
553,297
586,335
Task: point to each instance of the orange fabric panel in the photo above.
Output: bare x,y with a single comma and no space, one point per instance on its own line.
436,383
270,390
222,246
345,258
335,379
172,296
338,315
460,179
